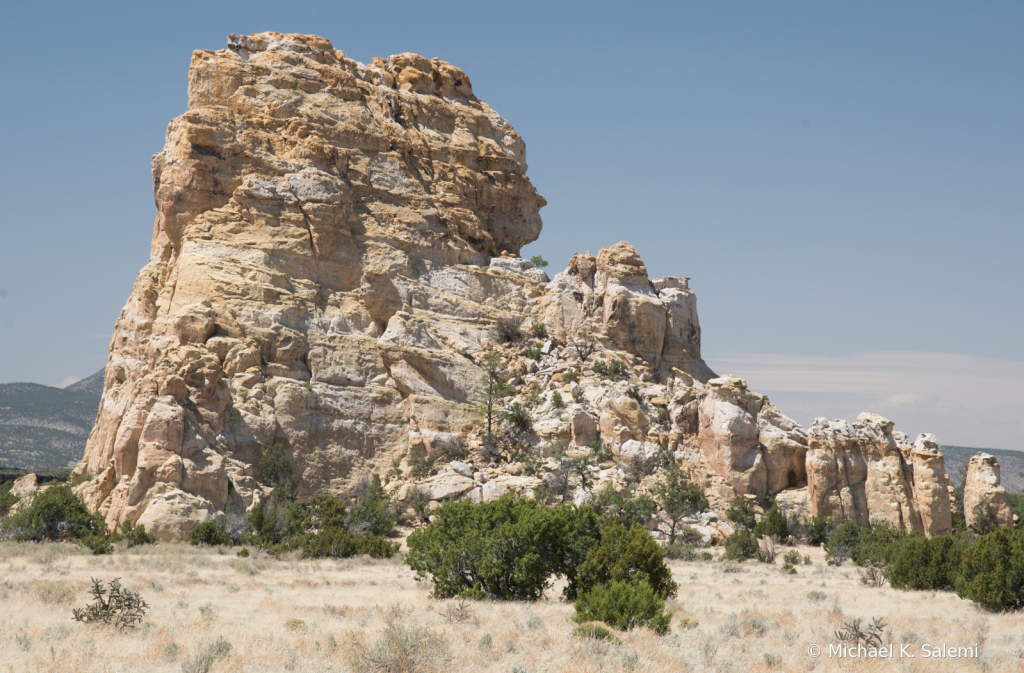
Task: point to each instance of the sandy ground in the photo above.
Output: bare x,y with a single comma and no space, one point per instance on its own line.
305,615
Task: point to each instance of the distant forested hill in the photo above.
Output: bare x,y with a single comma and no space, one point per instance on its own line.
1011,464
44,427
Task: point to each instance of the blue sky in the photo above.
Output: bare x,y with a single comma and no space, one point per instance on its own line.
838,179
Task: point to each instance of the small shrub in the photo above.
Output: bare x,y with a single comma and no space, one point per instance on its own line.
99,544
507,330
816,596
518,417
539,330
688,624
875,574
740,546
837,555
662,415
679,552
556,400
504,550
819,529
538,261
788,569
617,369
631,556
571,376
420,462
457,612
203,663
171,651
741,513
54,593
792,557
243,552
634,393
115,606
992,571
486,642
134,535
402,648
341,543
295,625
754,627
601,367
371,513
624,606
594,631
277,469
532,353
773,523
924,564
55,514
210,533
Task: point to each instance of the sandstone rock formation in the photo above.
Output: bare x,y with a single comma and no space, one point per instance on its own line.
982,489
320,277
656,320
858,471
333,247
748,441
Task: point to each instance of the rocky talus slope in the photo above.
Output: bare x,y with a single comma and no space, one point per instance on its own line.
335,244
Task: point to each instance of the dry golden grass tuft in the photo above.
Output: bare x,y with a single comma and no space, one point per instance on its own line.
365,615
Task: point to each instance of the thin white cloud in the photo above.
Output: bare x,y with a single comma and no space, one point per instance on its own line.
68,381
964,400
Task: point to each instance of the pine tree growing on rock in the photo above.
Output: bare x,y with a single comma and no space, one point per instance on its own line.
495,387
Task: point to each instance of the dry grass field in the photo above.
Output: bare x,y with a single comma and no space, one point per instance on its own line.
317,615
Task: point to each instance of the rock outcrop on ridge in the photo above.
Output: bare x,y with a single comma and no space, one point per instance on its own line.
335,245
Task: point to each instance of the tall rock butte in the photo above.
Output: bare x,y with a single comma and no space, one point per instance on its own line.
334,245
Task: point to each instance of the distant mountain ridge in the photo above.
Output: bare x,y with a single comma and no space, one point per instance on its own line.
42,427
91,384
1011,464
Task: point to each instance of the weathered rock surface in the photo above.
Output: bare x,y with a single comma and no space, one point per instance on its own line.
983,487
931,486
333,246
748,441
320,277
857,471
655,320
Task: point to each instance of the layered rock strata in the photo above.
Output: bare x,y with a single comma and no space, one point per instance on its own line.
320,277
334,246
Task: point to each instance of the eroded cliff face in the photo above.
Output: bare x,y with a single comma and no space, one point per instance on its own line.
334,245
864,472
318,277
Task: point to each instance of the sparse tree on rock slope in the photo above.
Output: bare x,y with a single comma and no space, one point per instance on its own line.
495,387
679,498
